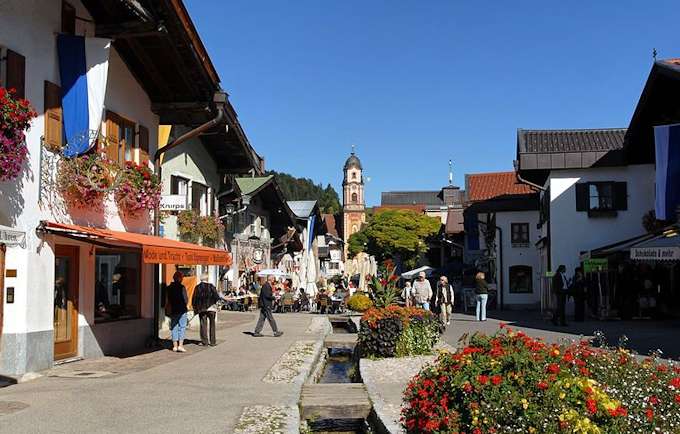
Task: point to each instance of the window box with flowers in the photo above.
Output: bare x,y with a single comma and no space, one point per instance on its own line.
194,228
85,181
138,189
15,118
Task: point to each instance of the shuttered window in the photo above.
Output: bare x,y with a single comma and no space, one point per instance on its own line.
54,132
120,138
601,198
16,73
143,144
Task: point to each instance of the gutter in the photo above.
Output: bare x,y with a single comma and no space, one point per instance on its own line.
219,98
521,180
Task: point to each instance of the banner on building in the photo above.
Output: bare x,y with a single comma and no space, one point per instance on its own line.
667,147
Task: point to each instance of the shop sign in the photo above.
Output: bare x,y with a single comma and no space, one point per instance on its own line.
11,237
595,264
655,253
173,202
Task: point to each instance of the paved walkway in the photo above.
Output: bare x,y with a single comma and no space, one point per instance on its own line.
201,391
643,336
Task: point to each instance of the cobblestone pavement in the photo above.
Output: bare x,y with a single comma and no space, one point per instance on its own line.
643,336
205,390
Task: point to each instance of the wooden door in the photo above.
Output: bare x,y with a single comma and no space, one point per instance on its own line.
65,302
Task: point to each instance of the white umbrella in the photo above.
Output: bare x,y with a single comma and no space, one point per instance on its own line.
311,274
413,273
272,272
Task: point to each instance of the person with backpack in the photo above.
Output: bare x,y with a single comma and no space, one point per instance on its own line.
204,301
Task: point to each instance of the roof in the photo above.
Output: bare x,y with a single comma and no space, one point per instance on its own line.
507,202
483,186
251,185
352,161
540,151
331,224
411,198
302,208
454,222
556,141
664,237
155,250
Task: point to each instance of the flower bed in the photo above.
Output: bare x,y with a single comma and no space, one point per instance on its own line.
139,188
510,382
397,331
15,118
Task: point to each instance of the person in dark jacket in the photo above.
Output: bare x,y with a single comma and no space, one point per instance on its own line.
579,290
177,302
264,302
482,295
560,287
204,301
443,300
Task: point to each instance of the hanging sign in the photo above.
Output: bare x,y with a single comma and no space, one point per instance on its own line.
655,253
595,264
11,237
173,202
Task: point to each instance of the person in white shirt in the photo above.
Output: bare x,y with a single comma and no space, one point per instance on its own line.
406,293
422,291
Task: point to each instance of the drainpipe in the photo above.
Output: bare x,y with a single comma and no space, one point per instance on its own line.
219,98
521,180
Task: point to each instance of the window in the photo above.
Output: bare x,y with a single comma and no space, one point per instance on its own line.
601,198
521,281
179,185
120,138
355,198
199,198
354,175
519,234
117,285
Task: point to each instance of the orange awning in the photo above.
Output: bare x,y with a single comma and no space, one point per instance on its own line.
155,250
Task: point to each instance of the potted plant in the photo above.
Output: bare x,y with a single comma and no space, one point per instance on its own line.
85,180
15,118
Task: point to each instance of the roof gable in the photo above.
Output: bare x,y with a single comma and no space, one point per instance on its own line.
483,186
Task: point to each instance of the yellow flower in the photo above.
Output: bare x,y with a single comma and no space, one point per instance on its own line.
562,395
525,403
532,429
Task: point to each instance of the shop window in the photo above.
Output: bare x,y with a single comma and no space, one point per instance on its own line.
601,198
521,281
519,234
199,198
117,285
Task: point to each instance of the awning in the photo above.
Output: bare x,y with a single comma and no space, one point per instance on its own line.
663,245
155,250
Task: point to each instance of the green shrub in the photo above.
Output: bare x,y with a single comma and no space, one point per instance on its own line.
418,337
397,331
359,302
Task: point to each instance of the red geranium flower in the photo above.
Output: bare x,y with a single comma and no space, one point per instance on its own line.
649,413
591,405
483,379
496,380
542,385
553,368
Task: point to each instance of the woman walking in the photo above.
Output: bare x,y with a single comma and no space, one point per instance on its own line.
444,300
177,300
482,294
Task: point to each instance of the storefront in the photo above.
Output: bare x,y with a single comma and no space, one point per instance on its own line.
636,278
104,298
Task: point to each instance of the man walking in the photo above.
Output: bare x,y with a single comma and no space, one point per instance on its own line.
422,291
204,302
264,302
560,287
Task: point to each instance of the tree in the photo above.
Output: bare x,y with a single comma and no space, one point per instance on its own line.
304,189
395,233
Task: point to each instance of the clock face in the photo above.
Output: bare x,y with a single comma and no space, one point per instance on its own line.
258,255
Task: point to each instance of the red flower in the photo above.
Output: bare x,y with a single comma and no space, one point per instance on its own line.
553,368
585,372
496,380
677,398
467,387
542,385
483,379
649,413
675,382
653,400
591,405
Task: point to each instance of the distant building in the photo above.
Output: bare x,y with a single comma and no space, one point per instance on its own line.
353,201
434,203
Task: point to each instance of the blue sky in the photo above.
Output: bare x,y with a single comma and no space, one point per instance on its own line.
416,83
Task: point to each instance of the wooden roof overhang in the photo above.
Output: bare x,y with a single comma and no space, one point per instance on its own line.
160,45
658,105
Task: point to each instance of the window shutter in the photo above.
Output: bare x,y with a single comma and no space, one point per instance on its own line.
620,196
16,73
582,197
111,144
54,132
143,144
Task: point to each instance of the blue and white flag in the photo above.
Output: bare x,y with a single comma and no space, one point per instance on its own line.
667,144
310,231
84,69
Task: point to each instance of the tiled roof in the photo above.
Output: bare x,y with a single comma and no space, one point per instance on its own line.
331,224
302,208
555,141
454,222
410,198
483,186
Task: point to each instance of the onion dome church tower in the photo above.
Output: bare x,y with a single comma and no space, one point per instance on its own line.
353,204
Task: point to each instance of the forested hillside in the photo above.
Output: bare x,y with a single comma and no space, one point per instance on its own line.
304,189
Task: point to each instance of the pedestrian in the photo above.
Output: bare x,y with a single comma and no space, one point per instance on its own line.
264,302
422,291
444,298
177,301
560,287
406,294
204,301
481,295
579,290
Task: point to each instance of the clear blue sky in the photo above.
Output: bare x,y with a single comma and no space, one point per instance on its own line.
414,83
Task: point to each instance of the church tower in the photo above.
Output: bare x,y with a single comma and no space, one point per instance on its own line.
353,204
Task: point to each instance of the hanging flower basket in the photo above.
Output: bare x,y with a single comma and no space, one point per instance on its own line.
193,228
15,118
139,189
85,180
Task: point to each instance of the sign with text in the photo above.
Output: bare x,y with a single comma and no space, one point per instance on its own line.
168,255
173,202
11,237
595,264
655,253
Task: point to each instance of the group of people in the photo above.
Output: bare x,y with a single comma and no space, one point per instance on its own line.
441,300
